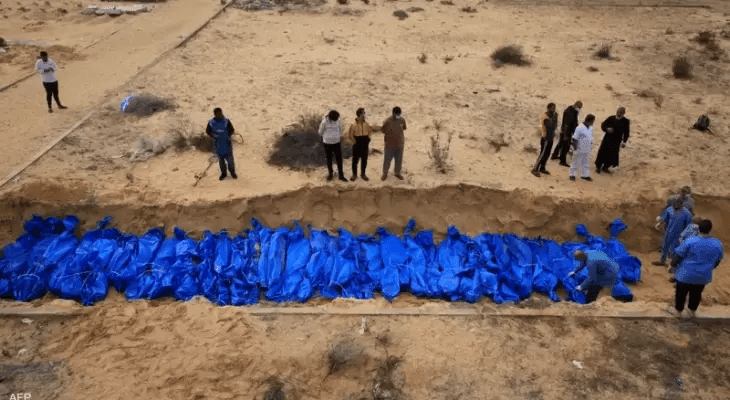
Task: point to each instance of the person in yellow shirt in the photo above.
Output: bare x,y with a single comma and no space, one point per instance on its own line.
359,134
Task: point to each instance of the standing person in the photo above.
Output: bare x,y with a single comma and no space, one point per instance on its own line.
548,124
359,133
685,194
393,128
696,258
331,131
47,68
617,129
691,230
582,145
602,272
221,130
675,218
568,125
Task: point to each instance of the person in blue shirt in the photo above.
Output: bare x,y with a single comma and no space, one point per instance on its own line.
695,259
602,272
221,130
676,219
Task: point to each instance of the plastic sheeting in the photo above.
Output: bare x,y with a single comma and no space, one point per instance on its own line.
285,265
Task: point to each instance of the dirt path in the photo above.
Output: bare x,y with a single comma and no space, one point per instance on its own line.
85,83
195,350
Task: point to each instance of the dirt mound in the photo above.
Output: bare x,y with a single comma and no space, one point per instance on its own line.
27,54
472,209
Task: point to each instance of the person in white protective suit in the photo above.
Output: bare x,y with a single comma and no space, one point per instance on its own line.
582,146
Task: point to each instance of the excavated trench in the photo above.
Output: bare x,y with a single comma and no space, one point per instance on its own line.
472,209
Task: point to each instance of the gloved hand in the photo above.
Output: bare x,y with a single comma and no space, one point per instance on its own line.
579,288
572,273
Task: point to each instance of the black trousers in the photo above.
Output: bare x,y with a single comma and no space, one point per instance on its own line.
545,146
360,153
222,160
51,92
561,150
695,295
592,293
336,150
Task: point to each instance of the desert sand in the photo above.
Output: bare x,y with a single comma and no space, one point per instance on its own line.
266,68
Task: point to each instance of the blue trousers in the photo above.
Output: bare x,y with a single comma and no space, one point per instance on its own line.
222,160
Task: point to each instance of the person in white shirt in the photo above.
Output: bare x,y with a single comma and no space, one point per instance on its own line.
331,130
47,68
582,146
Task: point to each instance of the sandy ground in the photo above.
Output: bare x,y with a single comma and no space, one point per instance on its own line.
265,69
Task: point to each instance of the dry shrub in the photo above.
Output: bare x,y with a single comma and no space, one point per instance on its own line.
592,69
439,153
448,59
415,9
704,37
682,68
510,54
447,2
348,12
400,14
275,390
529,148
345,352
366,1
300,145
650,94
697,100
146,104
343,2
603,52
498,142
2,42
468,9
384,387
422,58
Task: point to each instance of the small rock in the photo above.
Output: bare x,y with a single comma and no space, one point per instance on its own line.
175,169
26,321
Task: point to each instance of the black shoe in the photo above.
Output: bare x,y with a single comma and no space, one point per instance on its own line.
589,179
329,178
384,177
572,178
533,172
606,170
343,179
50,110
364,177
62,107
564,164
222,177
233,175
598,170
353,178
555,158
399,176
544,171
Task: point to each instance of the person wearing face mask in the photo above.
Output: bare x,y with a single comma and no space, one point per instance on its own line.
359,134
567,128
393,128
617,133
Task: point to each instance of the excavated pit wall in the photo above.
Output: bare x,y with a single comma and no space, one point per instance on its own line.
472,209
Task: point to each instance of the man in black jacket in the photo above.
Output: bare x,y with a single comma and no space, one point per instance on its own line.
548,124
570,122
617,129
